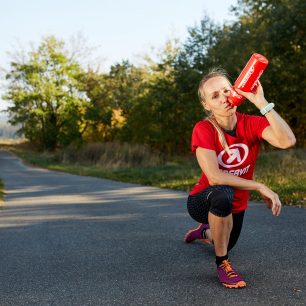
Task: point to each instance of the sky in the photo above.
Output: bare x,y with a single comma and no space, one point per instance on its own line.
114,29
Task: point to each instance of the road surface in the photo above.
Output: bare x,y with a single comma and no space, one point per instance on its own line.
73,240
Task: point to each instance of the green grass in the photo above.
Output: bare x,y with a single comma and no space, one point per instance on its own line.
1,192
282,171
285,173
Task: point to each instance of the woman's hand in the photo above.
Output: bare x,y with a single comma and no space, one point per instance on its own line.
271,198
256,97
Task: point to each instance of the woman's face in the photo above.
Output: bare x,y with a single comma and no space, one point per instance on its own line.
216,91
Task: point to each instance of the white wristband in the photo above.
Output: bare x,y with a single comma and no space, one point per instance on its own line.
267,108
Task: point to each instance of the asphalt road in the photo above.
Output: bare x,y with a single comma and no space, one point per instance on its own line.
72,240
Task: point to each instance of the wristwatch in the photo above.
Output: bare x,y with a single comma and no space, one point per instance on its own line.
267,108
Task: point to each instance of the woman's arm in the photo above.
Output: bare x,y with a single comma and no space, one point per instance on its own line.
208,162
278,134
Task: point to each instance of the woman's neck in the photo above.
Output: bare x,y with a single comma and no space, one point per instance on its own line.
227,123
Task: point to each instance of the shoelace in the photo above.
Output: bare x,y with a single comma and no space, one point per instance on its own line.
228,269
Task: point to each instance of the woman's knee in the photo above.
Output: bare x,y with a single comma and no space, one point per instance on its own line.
221,201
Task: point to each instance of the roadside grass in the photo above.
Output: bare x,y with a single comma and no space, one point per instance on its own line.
1,193
284,171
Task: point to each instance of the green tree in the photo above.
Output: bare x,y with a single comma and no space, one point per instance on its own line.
97,126
112,97
45,94
156,115
280,31
276,29
273,28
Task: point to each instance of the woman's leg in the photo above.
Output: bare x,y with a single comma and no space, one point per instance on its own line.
215,198
237,221
221,225
198,208
220,230
220,218
237,226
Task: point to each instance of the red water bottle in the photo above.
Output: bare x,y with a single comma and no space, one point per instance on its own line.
248,78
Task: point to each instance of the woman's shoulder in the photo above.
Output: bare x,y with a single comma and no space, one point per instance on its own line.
203,125
242,116
252,124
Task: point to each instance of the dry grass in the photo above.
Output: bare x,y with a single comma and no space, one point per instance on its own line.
111,155
284,171
10,141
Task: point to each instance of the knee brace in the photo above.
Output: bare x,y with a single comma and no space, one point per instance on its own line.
221,201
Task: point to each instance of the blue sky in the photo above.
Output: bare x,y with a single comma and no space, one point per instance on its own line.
116,28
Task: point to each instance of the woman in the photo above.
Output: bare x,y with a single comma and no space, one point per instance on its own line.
226,146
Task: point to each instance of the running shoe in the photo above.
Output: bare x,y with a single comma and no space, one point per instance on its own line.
228,277
197,234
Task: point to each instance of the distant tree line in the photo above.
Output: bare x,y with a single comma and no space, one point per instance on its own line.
57,102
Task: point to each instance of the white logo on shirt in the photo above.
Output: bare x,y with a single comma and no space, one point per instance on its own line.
240,152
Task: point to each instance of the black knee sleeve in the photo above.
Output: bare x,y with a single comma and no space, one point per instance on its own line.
221,202
216,199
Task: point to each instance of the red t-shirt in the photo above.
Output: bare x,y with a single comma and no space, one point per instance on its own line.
244,147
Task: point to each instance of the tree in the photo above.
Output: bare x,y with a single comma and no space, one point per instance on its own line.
156,117
46,96
273,28
278,30
112,97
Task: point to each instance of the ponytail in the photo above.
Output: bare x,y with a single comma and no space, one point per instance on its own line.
222,138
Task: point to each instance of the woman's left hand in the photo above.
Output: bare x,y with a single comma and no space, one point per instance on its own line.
271,199
256,96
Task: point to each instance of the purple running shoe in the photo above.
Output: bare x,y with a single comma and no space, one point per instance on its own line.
197,234
228,277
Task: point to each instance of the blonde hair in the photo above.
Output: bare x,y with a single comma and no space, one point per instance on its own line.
214,72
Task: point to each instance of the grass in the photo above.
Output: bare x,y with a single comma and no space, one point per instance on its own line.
1,192
283,171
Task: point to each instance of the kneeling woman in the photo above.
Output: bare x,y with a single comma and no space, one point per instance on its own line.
226,146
